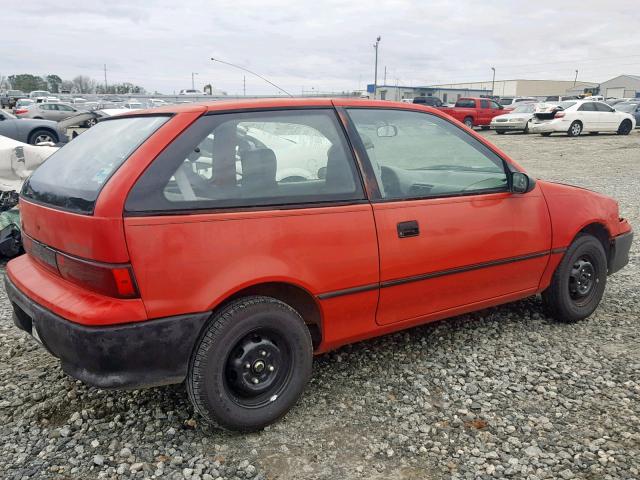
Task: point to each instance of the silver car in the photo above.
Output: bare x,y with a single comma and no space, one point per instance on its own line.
49,111
517,120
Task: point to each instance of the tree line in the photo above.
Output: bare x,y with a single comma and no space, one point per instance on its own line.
54,84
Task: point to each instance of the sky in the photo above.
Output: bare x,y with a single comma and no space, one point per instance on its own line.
321,45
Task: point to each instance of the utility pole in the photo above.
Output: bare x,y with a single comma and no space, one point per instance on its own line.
244,85
575,79
375,76
493,82
385,75
193,81
105,78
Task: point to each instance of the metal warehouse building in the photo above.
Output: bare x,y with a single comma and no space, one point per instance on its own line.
622,86
524,88
397,93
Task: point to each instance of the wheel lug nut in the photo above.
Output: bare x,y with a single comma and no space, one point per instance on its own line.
255,380
247,365
263,353
271,369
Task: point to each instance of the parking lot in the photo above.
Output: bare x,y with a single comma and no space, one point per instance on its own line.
505,392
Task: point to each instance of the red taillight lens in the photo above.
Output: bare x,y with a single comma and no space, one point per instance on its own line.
559,114
112,280
21,110
105,279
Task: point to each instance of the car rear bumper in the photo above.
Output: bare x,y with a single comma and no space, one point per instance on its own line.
508,126
133,355
549,126
619,255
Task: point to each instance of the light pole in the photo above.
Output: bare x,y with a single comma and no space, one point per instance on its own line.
193,81
575,79
493,81
375,75
252,73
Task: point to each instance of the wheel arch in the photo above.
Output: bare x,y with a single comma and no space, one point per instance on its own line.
47,129
599,231
297,297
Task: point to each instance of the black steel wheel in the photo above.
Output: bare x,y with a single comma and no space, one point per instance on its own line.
251,364
579,281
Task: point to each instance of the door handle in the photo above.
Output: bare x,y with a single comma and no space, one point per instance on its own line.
408,229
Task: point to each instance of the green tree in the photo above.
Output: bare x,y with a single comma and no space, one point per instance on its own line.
27,82
54,82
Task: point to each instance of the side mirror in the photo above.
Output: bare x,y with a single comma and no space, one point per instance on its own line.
387,131
521,183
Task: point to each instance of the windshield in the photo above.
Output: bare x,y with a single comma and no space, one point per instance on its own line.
73,176
506,101
525,108
626,107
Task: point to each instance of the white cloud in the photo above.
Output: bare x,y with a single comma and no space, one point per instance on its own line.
323,44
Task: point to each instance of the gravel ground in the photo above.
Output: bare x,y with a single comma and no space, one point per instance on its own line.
503,393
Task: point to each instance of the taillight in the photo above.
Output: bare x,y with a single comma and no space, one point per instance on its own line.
21,110
107,279
559,114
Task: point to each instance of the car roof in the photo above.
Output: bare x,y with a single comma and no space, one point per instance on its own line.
276,103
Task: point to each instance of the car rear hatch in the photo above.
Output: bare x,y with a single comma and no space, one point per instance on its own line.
62,230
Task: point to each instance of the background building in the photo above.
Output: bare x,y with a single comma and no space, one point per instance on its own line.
447,95
622,86
524,88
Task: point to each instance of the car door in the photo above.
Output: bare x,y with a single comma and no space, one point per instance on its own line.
495,110
608,118
64,111
450,232
7,126
484,113
589,117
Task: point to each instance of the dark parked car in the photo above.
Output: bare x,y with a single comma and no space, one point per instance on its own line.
9,98
29,130
430,101
630,107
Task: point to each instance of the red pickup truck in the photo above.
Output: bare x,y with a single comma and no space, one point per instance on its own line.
475,112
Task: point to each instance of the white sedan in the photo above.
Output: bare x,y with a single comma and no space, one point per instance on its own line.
577,116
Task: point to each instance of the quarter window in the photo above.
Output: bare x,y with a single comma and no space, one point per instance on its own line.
601,107
251,159
421,155
587,107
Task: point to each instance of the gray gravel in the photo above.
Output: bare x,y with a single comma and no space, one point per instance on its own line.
503,393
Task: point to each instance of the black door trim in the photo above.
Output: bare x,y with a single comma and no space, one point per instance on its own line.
430,275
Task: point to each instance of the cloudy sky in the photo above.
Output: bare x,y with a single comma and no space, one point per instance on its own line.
323,45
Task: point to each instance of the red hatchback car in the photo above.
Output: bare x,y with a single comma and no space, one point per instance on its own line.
225,244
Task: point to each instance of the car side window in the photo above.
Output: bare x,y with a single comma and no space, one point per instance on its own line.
484,104
417,155
601,107
495,105
587,107
251,159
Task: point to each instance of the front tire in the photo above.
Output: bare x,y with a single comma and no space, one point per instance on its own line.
579,281
251,364
41,136
625,127
546,134
500,132
575,129
468,122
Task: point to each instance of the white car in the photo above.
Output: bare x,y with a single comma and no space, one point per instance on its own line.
517,120
512,102
577,116
190,91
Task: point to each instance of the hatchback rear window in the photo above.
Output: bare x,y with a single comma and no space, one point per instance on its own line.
73,176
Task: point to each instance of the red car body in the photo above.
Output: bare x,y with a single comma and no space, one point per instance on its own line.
344,266
478,115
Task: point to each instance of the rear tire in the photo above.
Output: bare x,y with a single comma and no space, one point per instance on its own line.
468,122
484,127
41,135
546,134
575,129
526,128
500,132
251,364
579,281
625,127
